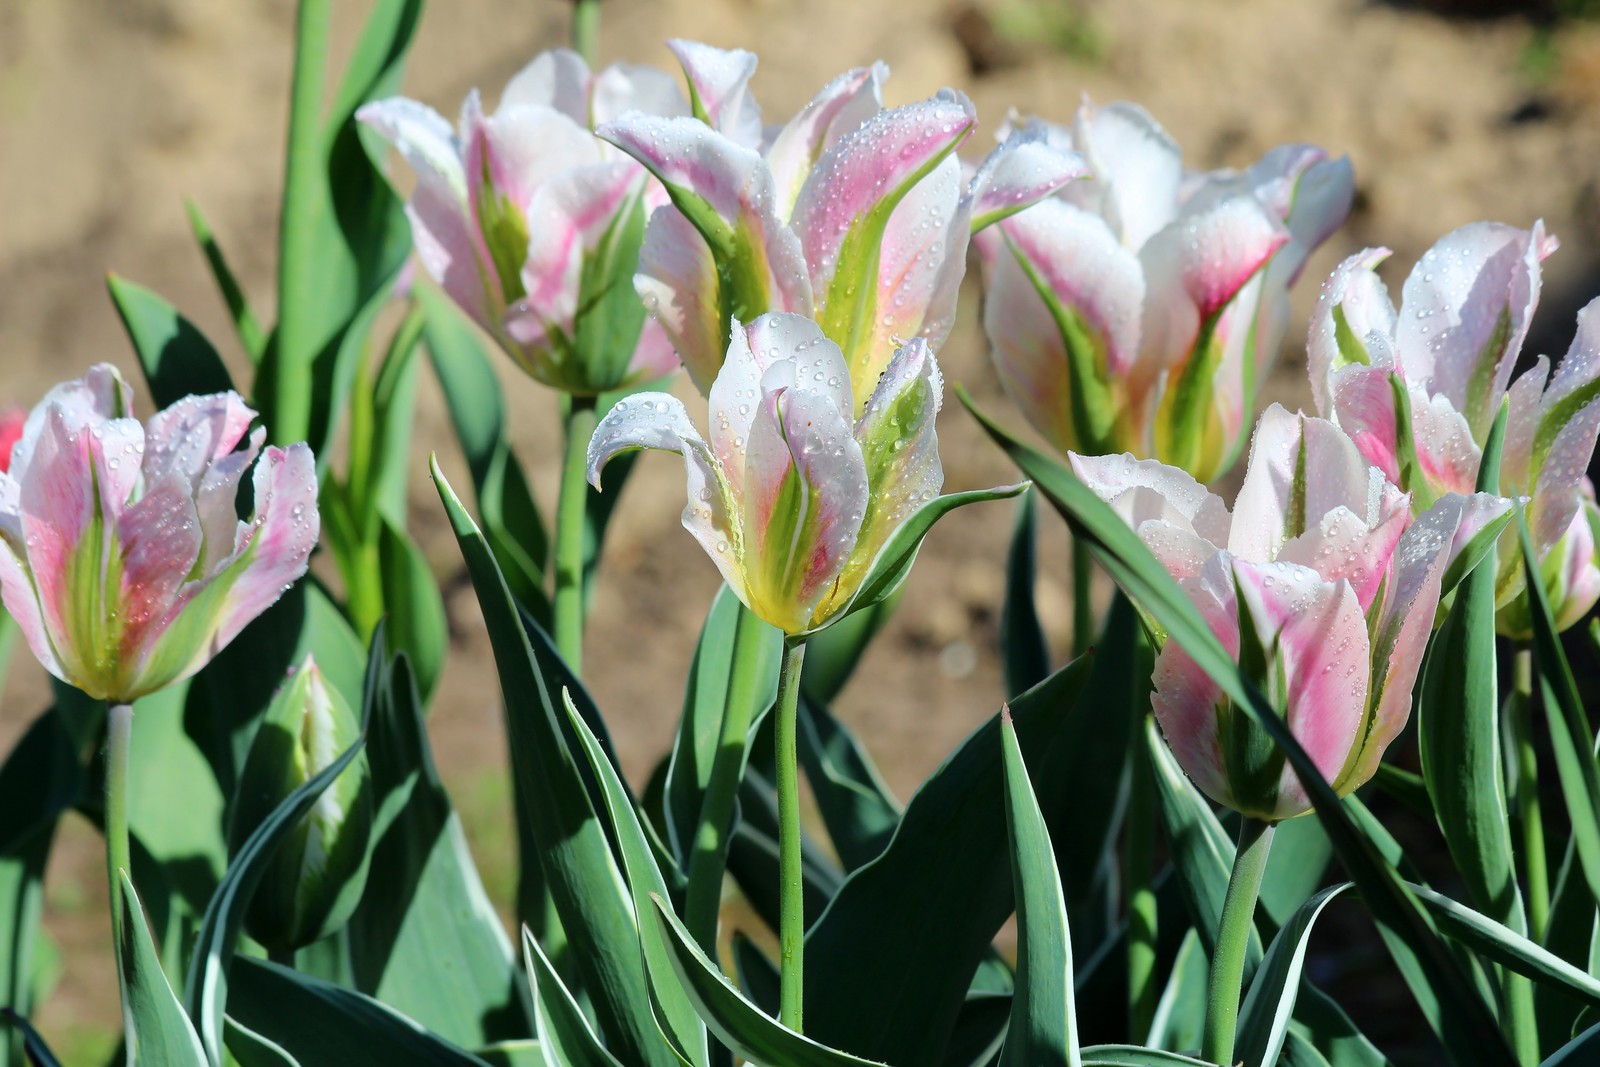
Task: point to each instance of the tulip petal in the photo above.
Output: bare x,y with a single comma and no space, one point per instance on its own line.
22,603
625,87
1364,398
1343,546
557,79
216,502
160,539
1144,490
843,104
1207,254
185,439
1465,310
719,88
1184,698
99,395
1136,166
677,281
1445,447
1062,317
1569,422
274,547
1352,326
1022,170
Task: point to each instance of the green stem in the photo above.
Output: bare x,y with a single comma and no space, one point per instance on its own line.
1143,989
1233,939
1537,868
119,736
570,509
709,858
586,30
298,297
791,895
1082,603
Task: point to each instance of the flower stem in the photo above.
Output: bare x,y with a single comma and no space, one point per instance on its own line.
1141,894
791,896
1528,808
570,516
119,735
1082,604
1233,937
707,861
586,30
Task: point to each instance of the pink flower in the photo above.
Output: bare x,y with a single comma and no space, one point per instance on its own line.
851,214
1319,581
1138,309
532,225
11,423
122,557
1418,390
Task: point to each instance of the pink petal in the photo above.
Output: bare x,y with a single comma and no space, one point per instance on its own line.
518,149
843,104
1143,490
99,395
1522,423
1445,447
1359,295
1569,422
625,87
160,541
1207,255
1363,397
1579,575
275,546
653,357
1453,304
1023,170
22,603
1136,167
719,81
216,502
184,439
677,281
1185,700
1343,546
557,79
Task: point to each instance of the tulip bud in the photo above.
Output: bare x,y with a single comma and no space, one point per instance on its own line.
315,879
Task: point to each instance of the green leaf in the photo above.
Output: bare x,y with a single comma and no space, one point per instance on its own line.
1579,1051
324,1025
413,607
584,882
758,976
565,1039
1044,1027
876,982
1180,1016
176,357
1132,1056
739,1024
855,805
245,324
393,403
675,1013
1024,652
1458,732
33,1044
1473,1034
1264,1016
428,913
980,1030
522,1053
207,989
1295,870
157,1029
511,519
893,562
250,1049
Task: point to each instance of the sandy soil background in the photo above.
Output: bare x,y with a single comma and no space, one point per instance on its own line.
111,111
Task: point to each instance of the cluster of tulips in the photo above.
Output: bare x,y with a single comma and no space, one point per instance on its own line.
297,889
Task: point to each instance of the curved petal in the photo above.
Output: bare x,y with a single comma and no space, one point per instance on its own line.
1320,202
1022,170
99,395
216,502
275,545
1343,546
185,439
1364,399
843,104
1136,165
625,87
719,88
1569,422
160,541
557,79
1350,326
1185,700
22,603
1445,447
1144,490
1208,253
677,281
653,357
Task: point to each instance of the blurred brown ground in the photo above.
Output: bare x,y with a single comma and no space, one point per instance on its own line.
111,111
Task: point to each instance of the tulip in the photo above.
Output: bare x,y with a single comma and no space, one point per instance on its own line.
1417,390
12,421
316,876
532,225
853,215
122,557
1319,580
1139,309
793,496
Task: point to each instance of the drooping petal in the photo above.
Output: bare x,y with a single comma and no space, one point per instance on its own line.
557,79
1137,168
843,104
1022,170
719,88
1465,311
1062,317
1351,326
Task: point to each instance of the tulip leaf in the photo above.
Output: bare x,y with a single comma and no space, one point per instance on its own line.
753,854
1044,1027
158,1029
876,983
1571,739
206,993
1264,1016
1133,1056
426,913
511,520
245,324
980,1030
175,356
1577,1052
321,1024
554,804
1300,852
1024,653
565,1039
1473,1034
758,976
675,1013
522,1053
1180,1015
893,562
250,1049
413,607
855,805
740,1025
33,1043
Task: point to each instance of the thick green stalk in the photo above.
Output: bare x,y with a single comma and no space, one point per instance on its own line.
1143,989
1082,604
707,861
119,736
1536,866
570,508
791,895
586,30
1233,938
295,339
